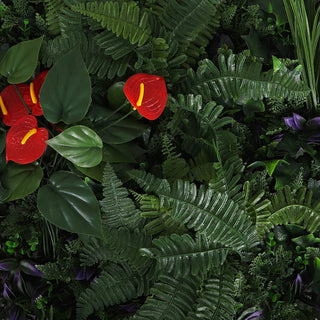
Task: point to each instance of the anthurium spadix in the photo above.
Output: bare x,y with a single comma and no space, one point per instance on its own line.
26,142
147,93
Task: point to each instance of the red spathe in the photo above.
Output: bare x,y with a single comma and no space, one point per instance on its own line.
33,148
154,98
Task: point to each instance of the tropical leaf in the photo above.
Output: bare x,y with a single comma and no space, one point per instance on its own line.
238,80
122,19
171,298
182,255
211,213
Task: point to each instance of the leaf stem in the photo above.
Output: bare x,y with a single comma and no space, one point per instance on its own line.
22,98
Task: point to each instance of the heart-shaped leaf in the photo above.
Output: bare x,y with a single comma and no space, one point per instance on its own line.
21,180
66,93
20,61
69,203
80,145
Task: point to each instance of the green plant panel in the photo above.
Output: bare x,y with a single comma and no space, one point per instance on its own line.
20,61
21,180
80,145
66,93
69,203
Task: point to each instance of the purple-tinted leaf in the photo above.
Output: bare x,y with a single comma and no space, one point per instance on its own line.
295,122
28,267
7,292
129,307
254,316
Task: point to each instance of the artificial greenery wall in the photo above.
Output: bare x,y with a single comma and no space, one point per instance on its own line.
210,211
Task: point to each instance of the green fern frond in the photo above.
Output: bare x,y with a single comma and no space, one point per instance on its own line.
53,50
181,255
124,19
216,298
171,298
185,19
287,207
210,213
202,169
238,80
161,220
52,9
228,167
115,284
95,251
70,21
118,209
104,66
257,209
125,244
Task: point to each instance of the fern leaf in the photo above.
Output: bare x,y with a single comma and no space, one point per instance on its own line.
118,209
212,214
95,251
182,255
185,19
115,284
228,168
122,19
216,299
52,8
287,207
125,245
237,80
161,220
172,298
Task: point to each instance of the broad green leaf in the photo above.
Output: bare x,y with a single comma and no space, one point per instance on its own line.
94,172
21,180
69,203
66,93
80,145
20,61
117,153
121,132
4,193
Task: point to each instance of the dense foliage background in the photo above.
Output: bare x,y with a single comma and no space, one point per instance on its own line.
212,210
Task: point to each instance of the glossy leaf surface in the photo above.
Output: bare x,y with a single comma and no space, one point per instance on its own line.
66,93
80,145
20,61
21,180
69,203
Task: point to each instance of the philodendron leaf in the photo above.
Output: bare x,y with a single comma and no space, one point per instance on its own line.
21,180
20,61
66,93
80,145
69,203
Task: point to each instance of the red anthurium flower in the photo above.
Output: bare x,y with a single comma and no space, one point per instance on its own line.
147,93
25,141
11,105
32,98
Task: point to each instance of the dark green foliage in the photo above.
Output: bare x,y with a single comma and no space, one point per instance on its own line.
172,298
52,8
115,284
209,213
287,207
182,255
118,209
238,79
186,19
122,19
215,300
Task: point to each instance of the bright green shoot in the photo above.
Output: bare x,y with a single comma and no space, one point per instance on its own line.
305,29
